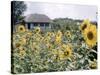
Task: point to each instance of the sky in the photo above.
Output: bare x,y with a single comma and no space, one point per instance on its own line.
57,10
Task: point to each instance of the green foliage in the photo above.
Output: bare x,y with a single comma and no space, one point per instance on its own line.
37,57
17,9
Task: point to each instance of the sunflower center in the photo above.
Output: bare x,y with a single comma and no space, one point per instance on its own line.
68,35
67,32
90,35
37,30
84,26
48,34
66,53
21,28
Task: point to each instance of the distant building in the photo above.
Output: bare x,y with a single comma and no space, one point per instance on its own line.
34,20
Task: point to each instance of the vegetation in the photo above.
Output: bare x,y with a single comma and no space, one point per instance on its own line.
17,9
68,46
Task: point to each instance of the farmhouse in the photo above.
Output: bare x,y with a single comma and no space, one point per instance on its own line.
34,20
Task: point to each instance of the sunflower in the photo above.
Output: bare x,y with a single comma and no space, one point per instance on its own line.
59,33
68,51
68,34
52,34
58,40
46,40
21,28
85,24
22,41
48,34
58,37
65,52
90,35
22,51
69,40
37,29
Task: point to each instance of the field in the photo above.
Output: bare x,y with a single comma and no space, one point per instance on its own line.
56,50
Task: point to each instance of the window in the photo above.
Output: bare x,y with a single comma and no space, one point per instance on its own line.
47,25
35,24
42,24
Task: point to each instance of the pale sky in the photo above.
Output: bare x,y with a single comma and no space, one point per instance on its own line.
57,10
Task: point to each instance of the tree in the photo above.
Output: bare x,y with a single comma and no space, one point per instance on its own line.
17,9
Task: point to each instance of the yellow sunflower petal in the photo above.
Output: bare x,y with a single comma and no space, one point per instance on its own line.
85,24
21,28
90,36
37,30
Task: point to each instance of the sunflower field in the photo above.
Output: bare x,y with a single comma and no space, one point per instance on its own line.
34,51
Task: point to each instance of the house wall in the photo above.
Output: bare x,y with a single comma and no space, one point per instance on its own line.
43,26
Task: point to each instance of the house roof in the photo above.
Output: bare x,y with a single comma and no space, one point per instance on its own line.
37,18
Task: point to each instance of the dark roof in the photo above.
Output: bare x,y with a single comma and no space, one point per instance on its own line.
37,18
